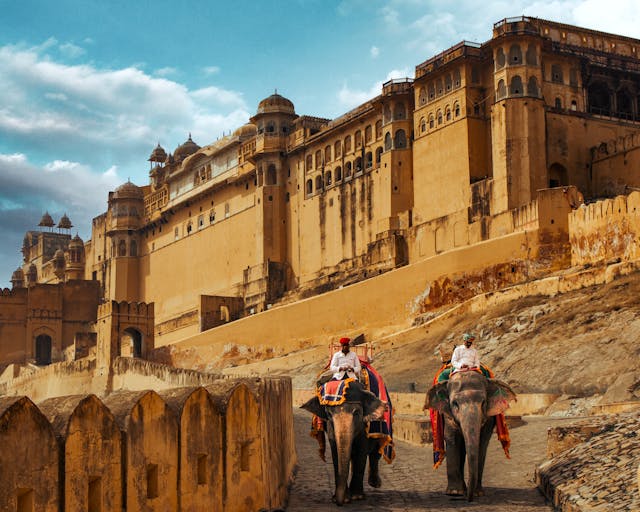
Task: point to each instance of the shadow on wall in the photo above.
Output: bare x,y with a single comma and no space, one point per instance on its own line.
190,448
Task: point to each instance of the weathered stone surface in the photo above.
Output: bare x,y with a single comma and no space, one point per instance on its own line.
597,473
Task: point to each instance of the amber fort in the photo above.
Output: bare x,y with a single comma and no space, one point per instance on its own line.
496,164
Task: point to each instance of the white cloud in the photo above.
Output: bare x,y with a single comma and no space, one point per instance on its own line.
166,71
374,52
350,98
71,50
211,70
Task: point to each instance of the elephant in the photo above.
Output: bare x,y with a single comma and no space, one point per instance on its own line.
346,428
469,402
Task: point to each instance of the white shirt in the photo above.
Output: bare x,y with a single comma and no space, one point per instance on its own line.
463,355
340,359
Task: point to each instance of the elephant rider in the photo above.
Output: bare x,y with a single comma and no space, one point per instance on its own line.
465,356
344,363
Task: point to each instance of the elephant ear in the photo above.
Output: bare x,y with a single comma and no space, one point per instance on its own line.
372,407
438,399
314,407
499,395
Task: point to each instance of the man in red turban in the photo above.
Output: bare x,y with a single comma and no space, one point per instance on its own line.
344,363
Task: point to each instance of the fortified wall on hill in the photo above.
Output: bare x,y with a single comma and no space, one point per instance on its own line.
489,145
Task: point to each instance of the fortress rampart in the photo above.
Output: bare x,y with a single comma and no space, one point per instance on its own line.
212,448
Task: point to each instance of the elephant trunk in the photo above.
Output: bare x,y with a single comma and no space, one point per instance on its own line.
343,429
471,425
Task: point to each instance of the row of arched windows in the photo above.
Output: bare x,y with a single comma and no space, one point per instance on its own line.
515,56
604,100
442,115
516,88
343,147
398,141
355,168
439,87
399,112
268,178
119,248
272,128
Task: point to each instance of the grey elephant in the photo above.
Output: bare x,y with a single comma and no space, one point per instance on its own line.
350,447
469,402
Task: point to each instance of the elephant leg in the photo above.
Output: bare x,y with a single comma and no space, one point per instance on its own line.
359,456
485,437
374,460
456,455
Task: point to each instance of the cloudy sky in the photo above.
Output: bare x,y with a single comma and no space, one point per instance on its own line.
89,87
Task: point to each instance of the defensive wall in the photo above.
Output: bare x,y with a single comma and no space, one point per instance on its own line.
196,448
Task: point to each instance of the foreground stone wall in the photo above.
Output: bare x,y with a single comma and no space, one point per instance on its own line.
594,465
216,448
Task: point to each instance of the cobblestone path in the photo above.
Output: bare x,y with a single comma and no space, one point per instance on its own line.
410,484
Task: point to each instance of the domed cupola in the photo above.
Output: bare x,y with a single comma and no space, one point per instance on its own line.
276,104
46,221
246,131
128,191
158,155
65,222
17,279
185,150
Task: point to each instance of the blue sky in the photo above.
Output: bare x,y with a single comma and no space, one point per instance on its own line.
88,88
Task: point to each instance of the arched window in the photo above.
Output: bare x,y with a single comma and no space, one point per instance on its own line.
599,99
515,55
327,178
319,184
43,350
327,154
532,55
131,343
378,155
502,90
447,114
122,248
515,89
439,115
422,96
423,125
271,127
558,103
347,144
574,105
557,176
400,111
387,141
532,87
368,134
133,248
318,159
309,186
357,165
500,58
358,139
456,109
337,149
272,175
439,87
431,121
368,160
448,82
456,79
624,102
387,114
378,129
400,139
338,174
432,91
347,170
309,163
556,73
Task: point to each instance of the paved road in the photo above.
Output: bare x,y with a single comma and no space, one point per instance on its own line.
410,484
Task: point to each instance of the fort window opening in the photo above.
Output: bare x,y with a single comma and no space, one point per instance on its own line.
423,125
558,176
358,165
432,91
439,117
532,55
400,111
338,173
401,139
448,114
431,121
337,149
386,114
515,89
133,248
43,350
152,481
502,90
131,343
94,498
122,248
558,103
212,217
347,170
202,469
500,58
318,183
309,163
532,87
456,79
189,227
456,109
327,178
368,134
271,127
378,155
25,500
599,99
574,105
272,176
200,221
327,154
556,74
358,139
439,87
318,159
368,160
347,144
624,103
422,96
515,55
448,82
309,187
387,141
378,129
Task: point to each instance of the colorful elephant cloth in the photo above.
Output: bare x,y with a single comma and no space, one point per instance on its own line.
437,419
333,393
